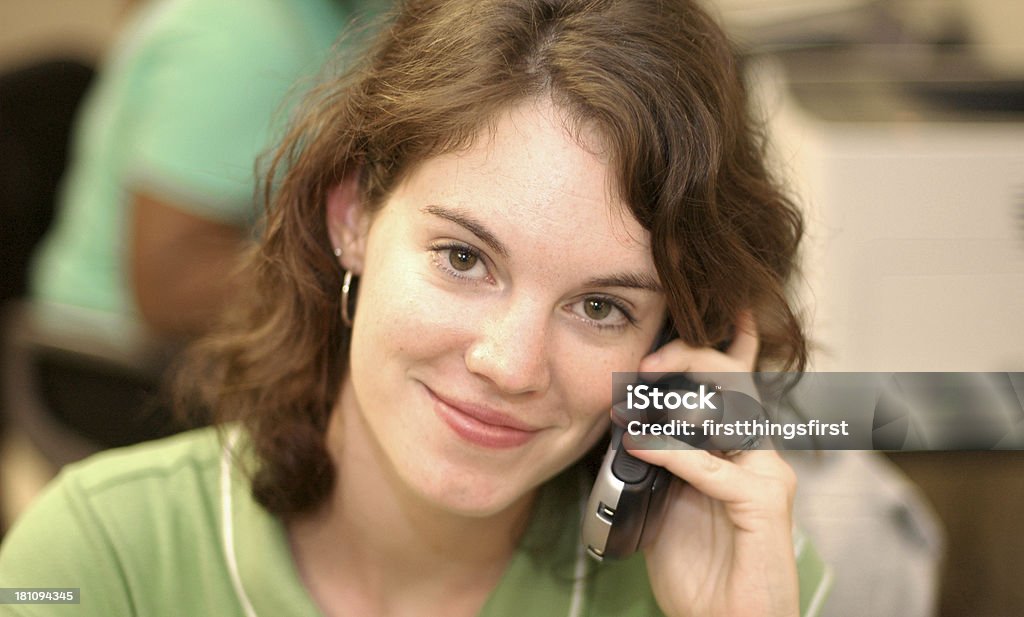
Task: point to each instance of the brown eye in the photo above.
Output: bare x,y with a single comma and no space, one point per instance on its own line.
462,260
597,310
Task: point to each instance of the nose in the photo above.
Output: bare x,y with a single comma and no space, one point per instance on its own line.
511,349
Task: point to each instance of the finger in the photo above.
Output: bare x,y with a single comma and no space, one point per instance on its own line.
714,476
745,342
755,475
677,356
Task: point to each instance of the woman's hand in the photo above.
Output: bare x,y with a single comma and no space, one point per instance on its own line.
725,544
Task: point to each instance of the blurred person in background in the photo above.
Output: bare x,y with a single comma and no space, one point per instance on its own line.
159,199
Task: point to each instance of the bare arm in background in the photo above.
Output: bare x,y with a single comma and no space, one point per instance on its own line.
182,266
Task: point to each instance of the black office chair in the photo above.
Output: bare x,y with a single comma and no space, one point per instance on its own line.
78,381
37,108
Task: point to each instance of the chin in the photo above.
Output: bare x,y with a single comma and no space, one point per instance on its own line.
478,486
471,492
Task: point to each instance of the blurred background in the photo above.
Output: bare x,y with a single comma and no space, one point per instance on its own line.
898,124
33,33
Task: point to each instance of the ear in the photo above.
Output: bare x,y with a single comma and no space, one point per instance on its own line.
348,222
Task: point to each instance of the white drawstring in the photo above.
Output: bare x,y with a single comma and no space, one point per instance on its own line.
227,524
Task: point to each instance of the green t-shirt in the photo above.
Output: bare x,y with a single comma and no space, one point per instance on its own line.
170,528
192,94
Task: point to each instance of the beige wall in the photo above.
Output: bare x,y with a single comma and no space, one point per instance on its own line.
83,27
31,28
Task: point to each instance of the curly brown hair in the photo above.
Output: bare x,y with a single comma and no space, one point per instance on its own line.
660,83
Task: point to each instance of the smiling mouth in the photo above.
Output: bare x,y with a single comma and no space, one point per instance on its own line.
480,426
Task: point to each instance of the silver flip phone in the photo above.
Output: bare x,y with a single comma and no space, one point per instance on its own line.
628,499
629,496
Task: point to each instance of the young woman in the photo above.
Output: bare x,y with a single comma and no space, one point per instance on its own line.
466,236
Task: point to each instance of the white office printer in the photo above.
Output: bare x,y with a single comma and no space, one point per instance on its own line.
910,165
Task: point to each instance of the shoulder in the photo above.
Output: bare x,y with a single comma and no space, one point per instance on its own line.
189,458
139,486
150,489
121,522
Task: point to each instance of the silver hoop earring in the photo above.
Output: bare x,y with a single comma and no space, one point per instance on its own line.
346,289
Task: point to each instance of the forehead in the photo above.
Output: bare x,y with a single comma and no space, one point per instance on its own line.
534,178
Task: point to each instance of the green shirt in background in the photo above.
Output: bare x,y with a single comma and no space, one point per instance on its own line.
160,529
183,107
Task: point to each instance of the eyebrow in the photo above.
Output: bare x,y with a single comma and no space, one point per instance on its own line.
630,280
474,226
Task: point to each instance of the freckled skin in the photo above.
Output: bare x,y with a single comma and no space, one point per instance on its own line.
512,332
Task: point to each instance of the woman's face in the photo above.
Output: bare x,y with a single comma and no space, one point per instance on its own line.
501,287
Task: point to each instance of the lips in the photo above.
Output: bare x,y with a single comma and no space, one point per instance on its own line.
480,425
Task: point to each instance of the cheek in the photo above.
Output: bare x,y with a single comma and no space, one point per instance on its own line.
589,382
591,419
400,315
587,378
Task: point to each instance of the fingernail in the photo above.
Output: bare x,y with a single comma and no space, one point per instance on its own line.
651,363
650,442
640,442
620,412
